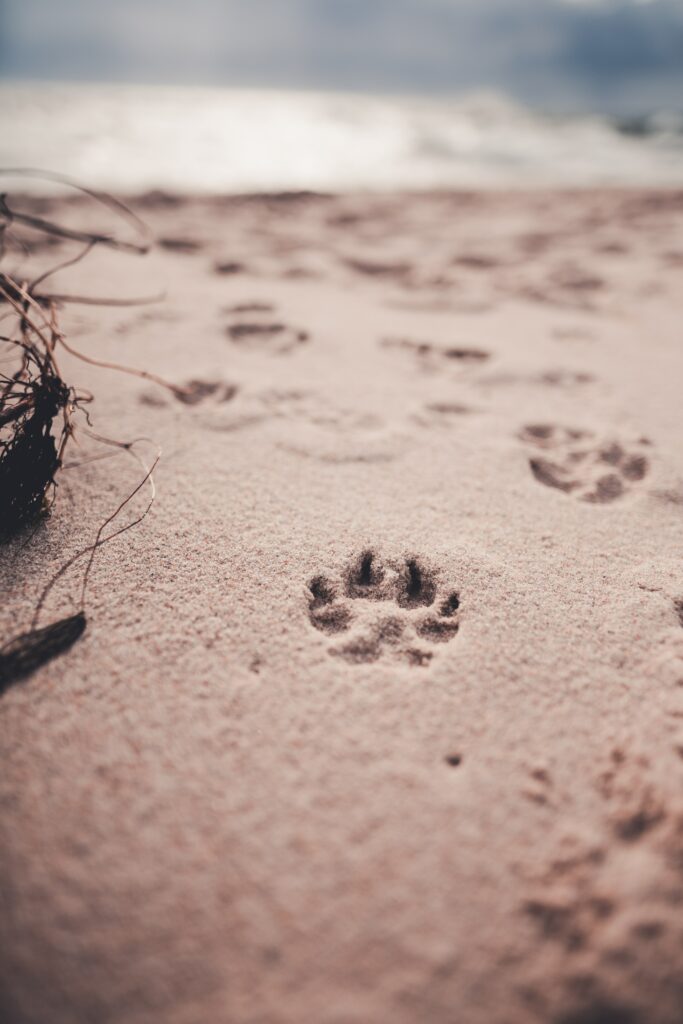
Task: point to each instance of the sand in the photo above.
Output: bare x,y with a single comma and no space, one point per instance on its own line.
379,714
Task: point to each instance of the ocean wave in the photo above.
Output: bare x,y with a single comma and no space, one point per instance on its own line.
129,138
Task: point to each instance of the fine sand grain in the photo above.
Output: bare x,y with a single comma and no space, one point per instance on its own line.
379,715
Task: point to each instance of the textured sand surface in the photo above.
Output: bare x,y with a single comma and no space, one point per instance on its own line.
379,715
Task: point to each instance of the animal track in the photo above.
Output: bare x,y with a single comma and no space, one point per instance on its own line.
374,268
428,353
229,267
196,391
609,897
251,331
580,465
250,307
184,246
192,392
284,337
417,621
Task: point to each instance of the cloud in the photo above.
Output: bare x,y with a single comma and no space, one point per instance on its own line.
561,53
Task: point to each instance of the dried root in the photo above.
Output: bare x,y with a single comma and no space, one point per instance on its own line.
39,415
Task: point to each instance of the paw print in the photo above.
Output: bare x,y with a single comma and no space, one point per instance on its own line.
577,463
383,609
252,328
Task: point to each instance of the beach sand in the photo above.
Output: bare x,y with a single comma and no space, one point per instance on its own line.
379,714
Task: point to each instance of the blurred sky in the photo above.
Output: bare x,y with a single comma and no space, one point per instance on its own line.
622,56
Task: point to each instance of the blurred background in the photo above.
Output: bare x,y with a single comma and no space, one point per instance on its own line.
215,95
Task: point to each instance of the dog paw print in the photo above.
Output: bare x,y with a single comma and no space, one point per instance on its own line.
383,609
255,326
192,392
576,462
430,355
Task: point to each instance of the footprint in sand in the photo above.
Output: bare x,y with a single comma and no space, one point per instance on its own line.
398,272
250,307
610,895
192,392
441,414
252,327
562,379
580,464
429,356
196,391
419,615
181,245
338,435
229,267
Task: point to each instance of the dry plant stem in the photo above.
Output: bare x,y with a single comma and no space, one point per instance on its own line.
21,310
97,300
47,227
99,539
103,198
61,266
88,300
32,396
31,400
143,374
57,336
